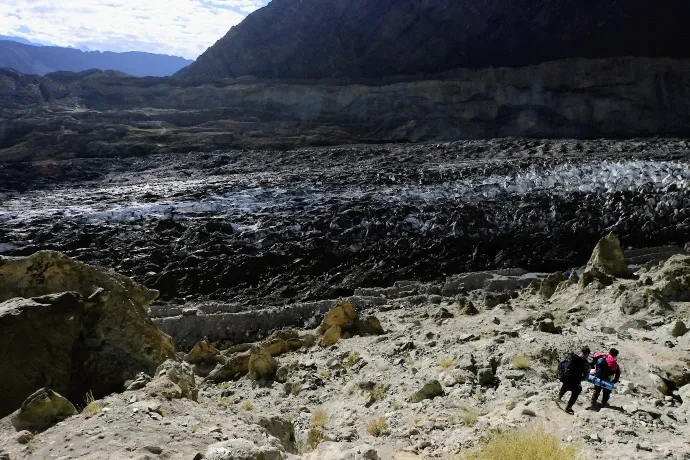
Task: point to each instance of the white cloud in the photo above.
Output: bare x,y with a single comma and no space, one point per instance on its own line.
179,27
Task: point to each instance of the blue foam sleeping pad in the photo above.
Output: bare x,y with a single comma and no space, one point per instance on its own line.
600,383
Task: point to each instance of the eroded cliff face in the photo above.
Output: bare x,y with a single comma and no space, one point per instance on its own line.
107,114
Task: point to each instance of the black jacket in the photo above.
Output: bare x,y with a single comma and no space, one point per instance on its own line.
578,370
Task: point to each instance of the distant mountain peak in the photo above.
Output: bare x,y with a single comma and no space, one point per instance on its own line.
41,60
19,40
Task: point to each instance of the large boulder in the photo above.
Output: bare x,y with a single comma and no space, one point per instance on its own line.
174,380
36,340
41,410
344,315
117,339
262,366
343,321
608,258
672,281
204,357
675,373
235,367
281,342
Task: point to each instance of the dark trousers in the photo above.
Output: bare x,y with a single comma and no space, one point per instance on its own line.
574,388
604,399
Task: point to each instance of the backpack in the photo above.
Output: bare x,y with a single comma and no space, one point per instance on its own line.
565,367
601,366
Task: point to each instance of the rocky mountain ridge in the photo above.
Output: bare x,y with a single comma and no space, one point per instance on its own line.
101,114
377,38
34,59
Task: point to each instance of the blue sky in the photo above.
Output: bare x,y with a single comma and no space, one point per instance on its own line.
178,27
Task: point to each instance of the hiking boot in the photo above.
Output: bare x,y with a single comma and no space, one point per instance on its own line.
569,410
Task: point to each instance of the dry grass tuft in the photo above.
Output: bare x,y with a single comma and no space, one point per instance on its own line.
314,438
247,406
534,444
378,392
351,360
521,361
447,363
378,427
319,418
468,416
91,407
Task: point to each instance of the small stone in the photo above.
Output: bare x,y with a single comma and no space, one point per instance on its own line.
156,450
24,437
644,446
514,375
529,412
595,437
495,320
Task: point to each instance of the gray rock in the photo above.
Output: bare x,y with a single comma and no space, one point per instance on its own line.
139,382
241,449
41,410
679,329
24,437
485,376
514,375
156,450
547,325
528,412
430,390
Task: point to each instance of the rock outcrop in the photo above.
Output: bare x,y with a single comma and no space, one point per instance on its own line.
343,321
36,341
174,380
375,38
103,342
608,259
203,357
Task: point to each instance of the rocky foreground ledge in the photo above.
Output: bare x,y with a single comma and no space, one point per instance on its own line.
405,377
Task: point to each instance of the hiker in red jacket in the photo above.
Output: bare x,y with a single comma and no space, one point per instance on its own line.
605,367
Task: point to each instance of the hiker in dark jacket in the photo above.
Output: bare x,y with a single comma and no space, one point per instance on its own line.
576,370
606,368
